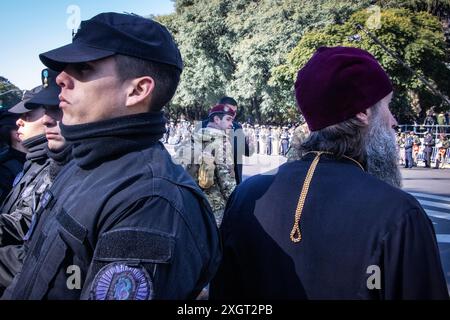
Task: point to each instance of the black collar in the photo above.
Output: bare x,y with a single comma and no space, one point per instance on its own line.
98,142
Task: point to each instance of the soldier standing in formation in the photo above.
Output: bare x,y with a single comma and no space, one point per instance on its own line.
429,143
240,143
409,143
209,158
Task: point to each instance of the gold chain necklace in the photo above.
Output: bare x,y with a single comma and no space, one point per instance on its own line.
296,235
344,156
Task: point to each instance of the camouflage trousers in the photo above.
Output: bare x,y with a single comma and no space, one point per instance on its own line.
218,215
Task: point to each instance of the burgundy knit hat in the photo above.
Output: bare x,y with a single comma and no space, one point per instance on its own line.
221,109
337,83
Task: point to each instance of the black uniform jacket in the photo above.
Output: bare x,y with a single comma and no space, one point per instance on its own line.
23,200
11,163
361,239
134,226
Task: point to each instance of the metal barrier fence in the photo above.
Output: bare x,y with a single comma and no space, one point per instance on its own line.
436,130
421,155
420,130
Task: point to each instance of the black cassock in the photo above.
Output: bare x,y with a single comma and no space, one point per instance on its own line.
361,239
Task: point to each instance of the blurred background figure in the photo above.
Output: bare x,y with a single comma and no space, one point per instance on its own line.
12,153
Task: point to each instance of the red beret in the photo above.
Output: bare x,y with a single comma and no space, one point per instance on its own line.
221,109
337,83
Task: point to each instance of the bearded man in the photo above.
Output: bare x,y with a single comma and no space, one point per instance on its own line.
334,224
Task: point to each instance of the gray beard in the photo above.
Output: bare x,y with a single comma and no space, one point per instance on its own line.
382,154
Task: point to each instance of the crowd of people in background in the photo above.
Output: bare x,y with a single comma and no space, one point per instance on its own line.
265,139
427,148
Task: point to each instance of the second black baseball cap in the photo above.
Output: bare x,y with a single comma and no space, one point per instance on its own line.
48,96
27,95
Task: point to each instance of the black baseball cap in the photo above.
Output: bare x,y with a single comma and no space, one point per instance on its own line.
28,94
48,96
112,33
8,119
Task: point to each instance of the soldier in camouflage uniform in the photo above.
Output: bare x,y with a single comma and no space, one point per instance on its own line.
429,143
208,157
300,134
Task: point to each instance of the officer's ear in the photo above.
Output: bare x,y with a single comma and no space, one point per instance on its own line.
216,119
139,92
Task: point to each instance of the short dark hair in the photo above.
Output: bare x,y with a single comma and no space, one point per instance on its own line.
220,115
227,100
166,77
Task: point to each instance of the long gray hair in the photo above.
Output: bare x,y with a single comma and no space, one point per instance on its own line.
373,145
345,138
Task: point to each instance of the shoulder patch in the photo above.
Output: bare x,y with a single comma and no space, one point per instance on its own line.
117,281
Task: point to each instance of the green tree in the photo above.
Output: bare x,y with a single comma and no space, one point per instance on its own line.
439,8
417,38
200,30
230,47
9,93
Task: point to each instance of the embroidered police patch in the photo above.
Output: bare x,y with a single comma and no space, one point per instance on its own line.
46,198
117,281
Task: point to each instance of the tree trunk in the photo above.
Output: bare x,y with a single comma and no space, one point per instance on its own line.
255,108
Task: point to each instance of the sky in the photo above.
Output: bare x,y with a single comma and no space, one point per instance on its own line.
28,28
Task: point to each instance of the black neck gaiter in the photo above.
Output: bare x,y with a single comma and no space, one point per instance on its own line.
60,159
97,142
36,147
61,156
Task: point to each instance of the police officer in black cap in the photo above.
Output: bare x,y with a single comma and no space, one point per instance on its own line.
45,161
12,153
32,135
122,221
429,143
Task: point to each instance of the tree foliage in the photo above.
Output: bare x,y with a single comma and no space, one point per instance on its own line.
230,47
12,97
439,8
252,49
417,38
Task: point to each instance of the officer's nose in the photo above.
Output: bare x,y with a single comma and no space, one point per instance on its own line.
19,122
63,79
48,121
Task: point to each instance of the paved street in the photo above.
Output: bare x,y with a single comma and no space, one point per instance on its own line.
431,188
